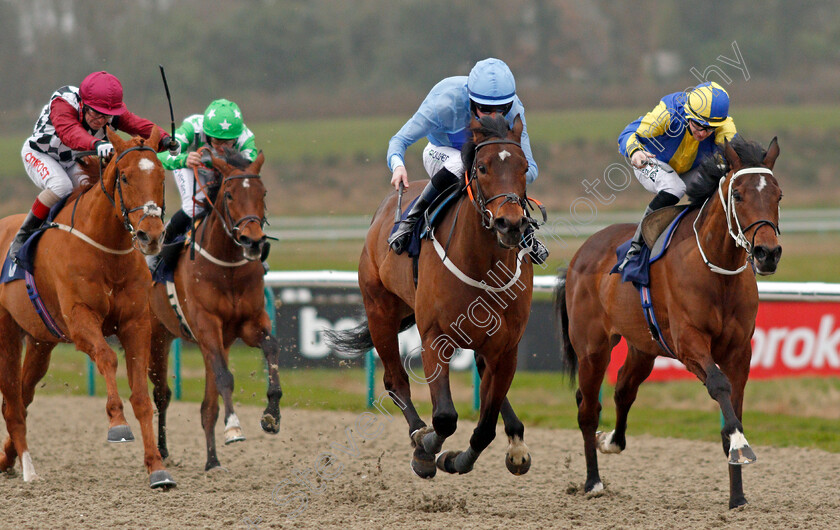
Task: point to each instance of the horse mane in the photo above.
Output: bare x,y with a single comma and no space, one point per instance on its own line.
491,126
715,166
88,166
236,159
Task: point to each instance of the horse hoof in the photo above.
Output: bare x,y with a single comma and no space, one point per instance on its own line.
446,461
741,456
234,435
161,479
270,424
594,488
520,468
737,503
120,434
214,467
423,464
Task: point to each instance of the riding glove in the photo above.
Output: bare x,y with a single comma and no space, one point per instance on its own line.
174,147
104,149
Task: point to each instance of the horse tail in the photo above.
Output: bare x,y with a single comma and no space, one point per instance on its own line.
570,360
357,341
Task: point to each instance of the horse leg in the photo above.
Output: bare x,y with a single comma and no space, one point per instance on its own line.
636,369
429,440
35,365
517,457
258,334
219,381
494,388
135,336
384,311
591,370
14,410
737,373
158,374
86,333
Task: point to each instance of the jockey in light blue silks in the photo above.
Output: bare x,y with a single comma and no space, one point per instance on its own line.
444,119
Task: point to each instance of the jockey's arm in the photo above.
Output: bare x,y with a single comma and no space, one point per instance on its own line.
135,125
68,128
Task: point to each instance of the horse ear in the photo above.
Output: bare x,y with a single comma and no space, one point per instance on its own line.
517,127
256,165
474,126
731,155
154,137
772,154
116,140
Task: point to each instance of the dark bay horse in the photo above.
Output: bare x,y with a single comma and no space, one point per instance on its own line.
704,296
475,293
93,284
221,297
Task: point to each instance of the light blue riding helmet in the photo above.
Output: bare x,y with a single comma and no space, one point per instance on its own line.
491,83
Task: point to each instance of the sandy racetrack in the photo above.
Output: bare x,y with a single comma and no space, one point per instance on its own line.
657,483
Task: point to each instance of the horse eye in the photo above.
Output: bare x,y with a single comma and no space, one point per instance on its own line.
228,196
482,169
736,195
123,178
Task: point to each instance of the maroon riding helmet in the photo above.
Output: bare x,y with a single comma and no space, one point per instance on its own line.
103,93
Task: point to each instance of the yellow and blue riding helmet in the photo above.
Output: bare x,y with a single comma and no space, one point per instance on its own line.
707,104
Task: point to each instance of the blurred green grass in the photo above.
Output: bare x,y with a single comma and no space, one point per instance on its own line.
322,141
783,413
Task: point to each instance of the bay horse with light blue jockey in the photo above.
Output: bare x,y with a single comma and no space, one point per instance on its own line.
92,283
704,297
472,291
216,298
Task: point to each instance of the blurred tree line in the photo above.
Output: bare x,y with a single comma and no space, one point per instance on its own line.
292,58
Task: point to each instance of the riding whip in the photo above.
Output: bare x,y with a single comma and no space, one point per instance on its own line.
399,203
169,100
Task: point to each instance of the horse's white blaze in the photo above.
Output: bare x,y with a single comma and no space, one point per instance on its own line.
517,450
737,440
605,443
246,184
504,154
762,183
28,468
146,165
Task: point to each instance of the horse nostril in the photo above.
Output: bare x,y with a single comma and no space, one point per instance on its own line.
760,253
777,254
502,225
142,236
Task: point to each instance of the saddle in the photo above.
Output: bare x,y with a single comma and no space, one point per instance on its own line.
432,217
657,229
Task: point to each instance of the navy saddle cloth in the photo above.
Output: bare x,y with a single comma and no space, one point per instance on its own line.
27,252
638,269
434,214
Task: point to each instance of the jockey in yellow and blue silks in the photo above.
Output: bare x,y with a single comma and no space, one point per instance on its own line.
666,145
444,119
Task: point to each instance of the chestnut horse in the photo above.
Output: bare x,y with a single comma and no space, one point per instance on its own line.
221,296
475,293
704,297
93,285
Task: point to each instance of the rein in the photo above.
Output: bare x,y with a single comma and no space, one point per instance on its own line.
150,209
732,215
230,226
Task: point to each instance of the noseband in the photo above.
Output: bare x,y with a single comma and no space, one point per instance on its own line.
480,202
732,219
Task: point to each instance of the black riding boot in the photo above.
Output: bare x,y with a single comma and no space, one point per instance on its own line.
402,236
176,226
30,225
636,244
539,252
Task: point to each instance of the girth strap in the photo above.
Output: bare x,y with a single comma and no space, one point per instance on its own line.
41,309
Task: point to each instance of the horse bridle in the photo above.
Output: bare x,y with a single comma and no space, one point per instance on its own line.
731,213
481,203
150,209
228,224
